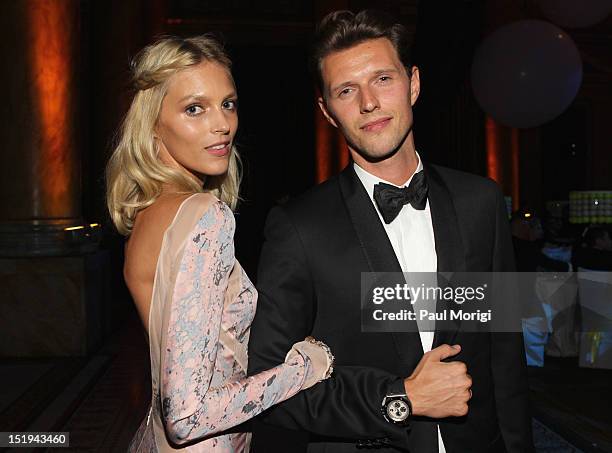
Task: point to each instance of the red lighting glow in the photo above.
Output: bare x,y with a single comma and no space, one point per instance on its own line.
493,150
503,149
49,54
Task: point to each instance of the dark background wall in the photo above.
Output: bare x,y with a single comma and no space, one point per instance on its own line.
278,120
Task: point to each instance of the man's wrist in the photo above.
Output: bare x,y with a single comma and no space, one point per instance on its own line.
408,384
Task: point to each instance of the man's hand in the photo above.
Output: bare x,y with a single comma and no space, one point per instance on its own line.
439,389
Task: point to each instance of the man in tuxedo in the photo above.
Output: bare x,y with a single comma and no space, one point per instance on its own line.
421,392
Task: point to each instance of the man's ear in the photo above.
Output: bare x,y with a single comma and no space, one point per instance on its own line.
415,85
326,113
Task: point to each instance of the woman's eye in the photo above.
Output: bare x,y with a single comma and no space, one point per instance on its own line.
230,104
193,110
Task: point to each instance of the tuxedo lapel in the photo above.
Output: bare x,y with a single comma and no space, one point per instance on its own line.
449,246
370,231
376,247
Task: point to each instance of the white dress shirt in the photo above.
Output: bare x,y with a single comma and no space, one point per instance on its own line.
412,238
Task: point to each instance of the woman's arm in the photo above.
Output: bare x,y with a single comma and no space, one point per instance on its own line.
191,408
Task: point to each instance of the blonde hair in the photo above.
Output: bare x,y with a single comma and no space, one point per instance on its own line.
135,175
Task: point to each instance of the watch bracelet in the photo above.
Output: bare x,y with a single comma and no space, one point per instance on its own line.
327,350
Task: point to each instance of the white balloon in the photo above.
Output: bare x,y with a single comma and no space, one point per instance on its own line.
526,73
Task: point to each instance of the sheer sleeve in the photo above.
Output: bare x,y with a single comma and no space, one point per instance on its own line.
191,407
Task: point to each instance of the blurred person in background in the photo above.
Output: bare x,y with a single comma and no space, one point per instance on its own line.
595,251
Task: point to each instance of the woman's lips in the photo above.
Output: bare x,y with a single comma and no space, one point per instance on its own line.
220,149
376,125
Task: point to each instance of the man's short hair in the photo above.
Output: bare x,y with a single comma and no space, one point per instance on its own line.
341,30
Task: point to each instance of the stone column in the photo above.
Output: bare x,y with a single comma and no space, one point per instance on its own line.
54,284
40,168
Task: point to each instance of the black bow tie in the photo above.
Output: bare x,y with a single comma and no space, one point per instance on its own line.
391,199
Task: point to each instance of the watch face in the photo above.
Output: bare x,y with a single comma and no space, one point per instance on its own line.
398,410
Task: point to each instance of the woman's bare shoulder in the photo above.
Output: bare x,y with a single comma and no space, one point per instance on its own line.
144,244
152,222
156,218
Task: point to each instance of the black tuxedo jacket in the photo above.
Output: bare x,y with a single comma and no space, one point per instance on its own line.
309,284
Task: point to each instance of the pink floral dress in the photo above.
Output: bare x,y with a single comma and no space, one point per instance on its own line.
202,307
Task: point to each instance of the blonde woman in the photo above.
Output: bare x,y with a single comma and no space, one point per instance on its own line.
173,181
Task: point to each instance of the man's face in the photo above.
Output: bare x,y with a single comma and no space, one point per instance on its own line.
369,95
